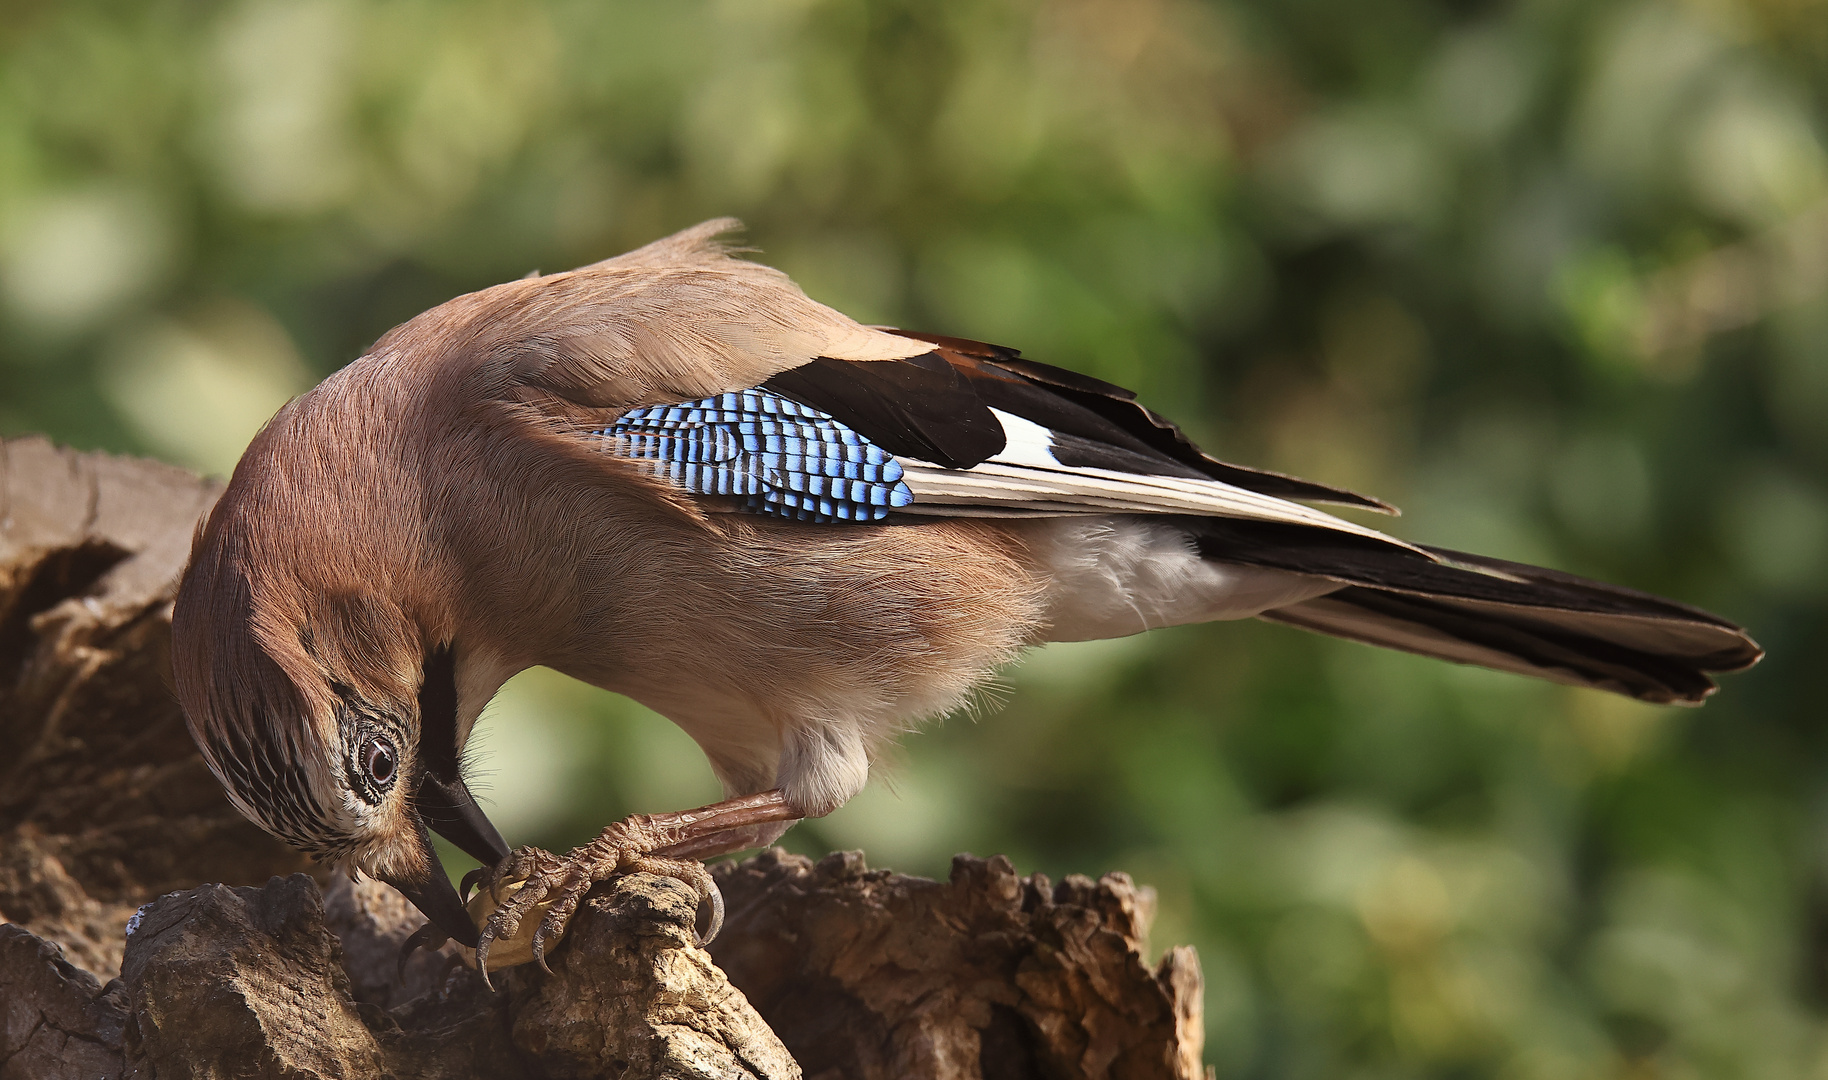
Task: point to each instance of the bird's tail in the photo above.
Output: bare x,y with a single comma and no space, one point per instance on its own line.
1497,614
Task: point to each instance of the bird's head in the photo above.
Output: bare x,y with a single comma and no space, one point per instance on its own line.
330,716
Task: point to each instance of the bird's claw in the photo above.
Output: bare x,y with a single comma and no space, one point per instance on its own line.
539,879
716,897
521,879
427,937
470,882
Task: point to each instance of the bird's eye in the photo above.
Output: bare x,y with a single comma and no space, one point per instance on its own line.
380,762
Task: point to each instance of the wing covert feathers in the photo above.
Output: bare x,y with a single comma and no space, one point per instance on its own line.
770,454
983,433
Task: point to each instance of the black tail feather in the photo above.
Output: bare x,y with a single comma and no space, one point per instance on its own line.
1476,610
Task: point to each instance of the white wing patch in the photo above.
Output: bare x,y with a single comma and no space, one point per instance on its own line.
1027,480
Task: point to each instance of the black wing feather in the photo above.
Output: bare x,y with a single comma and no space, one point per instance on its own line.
1109,414
936,407
920,408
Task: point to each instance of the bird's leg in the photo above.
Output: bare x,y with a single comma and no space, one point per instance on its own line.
667,844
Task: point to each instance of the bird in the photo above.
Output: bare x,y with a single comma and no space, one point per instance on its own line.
673,475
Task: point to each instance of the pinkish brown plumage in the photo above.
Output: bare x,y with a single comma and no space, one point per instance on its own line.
672,475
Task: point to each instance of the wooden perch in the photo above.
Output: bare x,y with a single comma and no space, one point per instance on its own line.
107,815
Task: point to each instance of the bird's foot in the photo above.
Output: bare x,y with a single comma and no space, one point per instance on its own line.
531,881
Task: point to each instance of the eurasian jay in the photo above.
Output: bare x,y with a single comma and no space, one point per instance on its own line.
672,475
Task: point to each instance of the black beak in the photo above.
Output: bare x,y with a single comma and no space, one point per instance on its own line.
446,807
434,895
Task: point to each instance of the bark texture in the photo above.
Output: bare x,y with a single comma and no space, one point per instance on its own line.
122,953
104,802
867,973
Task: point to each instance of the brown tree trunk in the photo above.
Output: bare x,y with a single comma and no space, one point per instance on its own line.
116,959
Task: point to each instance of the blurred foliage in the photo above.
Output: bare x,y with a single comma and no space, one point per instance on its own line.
1551,275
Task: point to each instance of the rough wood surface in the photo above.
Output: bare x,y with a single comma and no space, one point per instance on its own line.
122,954
104,802
867,973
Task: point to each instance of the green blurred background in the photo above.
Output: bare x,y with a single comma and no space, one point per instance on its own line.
1551,275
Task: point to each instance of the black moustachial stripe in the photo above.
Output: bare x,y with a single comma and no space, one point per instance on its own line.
438,751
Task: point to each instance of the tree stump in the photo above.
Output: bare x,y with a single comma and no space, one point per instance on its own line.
122,953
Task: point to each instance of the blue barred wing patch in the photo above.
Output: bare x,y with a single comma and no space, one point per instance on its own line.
774,454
